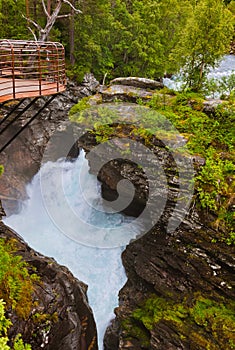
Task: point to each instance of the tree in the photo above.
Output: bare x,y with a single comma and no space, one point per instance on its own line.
10,14
51,16
204,40
121,38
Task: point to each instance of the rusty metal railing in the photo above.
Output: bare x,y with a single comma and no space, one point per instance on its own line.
30,69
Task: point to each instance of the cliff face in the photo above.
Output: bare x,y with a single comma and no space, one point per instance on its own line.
188,281
61,318
180,289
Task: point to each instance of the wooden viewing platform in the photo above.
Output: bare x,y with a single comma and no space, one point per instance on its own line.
31,69
28,69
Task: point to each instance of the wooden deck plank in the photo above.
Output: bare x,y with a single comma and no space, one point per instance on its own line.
27,88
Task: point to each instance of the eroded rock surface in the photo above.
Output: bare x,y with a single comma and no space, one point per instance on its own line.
180,289
57,293
180,269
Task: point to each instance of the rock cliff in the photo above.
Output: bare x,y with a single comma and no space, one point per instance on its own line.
192,281
61,318
180,289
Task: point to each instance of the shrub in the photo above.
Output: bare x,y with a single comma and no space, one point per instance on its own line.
16,284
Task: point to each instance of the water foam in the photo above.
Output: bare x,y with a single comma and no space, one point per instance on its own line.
100,268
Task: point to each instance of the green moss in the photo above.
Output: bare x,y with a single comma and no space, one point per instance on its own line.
5,324
79,107
200,320
134,329
16,283
41,318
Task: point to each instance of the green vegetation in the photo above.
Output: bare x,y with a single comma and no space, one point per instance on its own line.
10,15
5,324
16,288
208,323
139,38
204,39
79,107
213,138
224,87
150,38
16,284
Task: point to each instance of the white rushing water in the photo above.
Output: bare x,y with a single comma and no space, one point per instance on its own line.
225,68
100,268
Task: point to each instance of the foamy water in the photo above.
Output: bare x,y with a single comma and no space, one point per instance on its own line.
101,268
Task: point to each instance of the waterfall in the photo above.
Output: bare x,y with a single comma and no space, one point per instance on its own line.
98,266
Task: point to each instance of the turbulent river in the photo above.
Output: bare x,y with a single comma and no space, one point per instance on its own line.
100,267
72,242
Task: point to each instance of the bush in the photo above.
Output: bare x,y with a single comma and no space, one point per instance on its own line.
4,326
16,284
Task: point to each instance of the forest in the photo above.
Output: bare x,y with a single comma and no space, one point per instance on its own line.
129,38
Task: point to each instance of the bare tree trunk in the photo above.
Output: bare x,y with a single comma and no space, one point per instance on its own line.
71,37
49,6
52,16
50,22
27,8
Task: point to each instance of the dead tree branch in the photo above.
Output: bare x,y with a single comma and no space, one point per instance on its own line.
43,33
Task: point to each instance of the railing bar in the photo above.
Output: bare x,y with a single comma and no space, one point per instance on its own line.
40,70
13,71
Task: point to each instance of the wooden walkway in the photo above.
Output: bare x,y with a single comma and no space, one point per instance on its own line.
27,88
31,69
28,69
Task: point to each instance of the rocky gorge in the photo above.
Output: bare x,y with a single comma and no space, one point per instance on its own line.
180,288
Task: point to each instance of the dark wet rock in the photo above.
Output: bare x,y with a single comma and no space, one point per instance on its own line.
2,211
57,293
129,162
175,268
142,83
